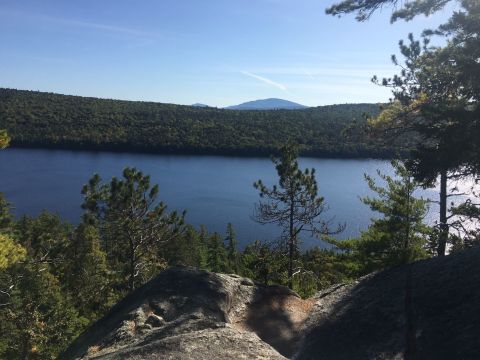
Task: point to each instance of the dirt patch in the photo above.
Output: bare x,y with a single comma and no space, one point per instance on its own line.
277,316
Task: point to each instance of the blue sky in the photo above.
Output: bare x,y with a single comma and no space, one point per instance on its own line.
217,52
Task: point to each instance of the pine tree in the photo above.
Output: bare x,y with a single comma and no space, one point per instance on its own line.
293,204
217,254
6,218
399,236
364,9
39,319
438,90
187,250
89,279
132,223
264,263
232,252
46,239
203,246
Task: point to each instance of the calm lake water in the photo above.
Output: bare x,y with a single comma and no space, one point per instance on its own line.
213,190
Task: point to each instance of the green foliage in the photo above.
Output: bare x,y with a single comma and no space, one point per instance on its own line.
293,204
467,223
88,277
132,223
316,269
233,256
59,121
190,249
10,252
406,10
264,263
437,93
216,254
399,236
6,218
46,239
330,267
4,139
39,319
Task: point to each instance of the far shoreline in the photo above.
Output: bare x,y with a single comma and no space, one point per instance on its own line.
247,153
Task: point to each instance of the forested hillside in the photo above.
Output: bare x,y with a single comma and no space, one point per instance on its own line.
59,121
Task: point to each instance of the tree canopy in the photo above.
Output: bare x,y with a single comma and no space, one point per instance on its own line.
48,120
405,10
4,139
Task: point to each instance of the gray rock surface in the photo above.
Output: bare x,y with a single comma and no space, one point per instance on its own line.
426,310
183,313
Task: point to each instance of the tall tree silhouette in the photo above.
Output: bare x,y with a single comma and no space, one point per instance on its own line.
294,204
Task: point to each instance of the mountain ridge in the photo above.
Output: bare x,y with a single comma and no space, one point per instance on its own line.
267,104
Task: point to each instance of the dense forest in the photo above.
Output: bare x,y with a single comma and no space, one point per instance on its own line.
38,119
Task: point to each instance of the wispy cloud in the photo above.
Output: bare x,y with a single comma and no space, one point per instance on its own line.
106,27
84,24
330,71
265,80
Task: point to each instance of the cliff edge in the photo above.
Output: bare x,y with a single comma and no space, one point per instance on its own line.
186,313
425,310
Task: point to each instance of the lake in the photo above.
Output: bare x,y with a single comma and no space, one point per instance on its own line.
214,190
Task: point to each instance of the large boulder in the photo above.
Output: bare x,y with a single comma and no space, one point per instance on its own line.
426,310
187,313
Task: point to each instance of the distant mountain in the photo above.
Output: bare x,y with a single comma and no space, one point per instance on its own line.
267,104
200,105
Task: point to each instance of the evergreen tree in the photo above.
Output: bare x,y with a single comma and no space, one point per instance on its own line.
293,204
330,267
233,256
37,321
399,236
203,243
264,263
6,218
10,252
217,254
187,250
438,90
467,223
132,223
88,274
407,10
46,239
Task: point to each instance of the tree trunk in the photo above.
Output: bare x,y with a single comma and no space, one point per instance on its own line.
131,281
442,239
406,254
291,247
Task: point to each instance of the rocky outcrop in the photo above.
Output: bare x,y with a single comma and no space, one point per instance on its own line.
426,310
187,313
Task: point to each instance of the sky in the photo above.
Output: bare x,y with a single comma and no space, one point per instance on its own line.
216,52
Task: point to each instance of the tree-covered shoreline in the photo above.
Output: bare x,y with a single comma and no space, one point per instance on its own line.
46,120
263,153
